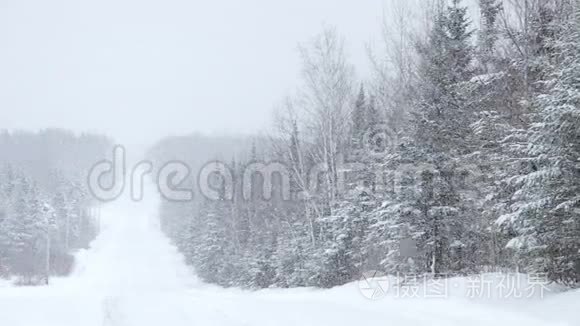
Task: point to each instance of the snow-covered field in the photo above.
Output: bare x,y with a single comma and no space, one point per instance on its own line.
132,275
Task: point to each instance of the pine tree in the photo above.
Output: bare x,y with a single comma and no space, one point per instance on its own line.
489,32
359,120
24,233
292,253
211,252
441,124
548,206
343,253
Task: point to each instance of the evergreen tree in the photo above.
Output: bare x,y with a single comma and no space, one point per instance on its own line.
547,219
359,120
489,32
24,233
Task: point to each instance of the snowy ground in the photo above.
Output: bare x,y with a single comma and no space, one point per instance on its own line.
133,276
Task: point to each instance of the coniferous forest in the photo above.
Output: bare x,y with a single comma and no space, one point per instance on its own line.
46,209
463,145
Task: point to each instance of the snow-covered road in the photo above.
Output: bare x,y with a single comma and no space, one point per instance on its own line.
133,276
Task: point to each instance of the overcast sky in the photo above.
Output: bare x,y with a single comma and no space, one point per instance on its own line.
141,69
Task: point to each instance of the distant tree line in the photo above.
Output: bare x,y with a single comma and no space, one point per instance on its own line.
46,211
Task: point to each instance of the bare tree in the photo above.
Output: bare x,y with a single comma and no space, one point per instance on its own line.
326,100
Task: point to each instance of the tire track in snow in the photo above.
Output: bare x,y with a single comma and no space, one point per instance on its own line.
112,313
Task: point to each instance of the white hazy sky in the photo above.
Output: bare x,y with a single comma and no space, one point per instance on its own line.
141,69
